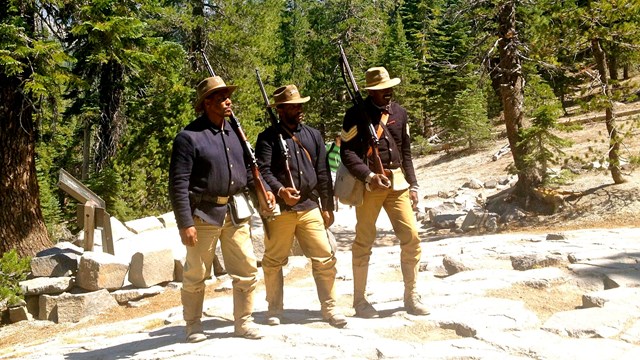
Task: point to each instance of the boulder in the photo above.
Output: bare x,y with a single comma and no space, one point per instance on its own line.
45,285
73,307
101,271
151,268
59,260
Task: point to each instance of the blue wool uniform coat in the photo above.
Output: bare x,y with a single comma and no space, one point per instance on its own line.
210,161
395,143
307,175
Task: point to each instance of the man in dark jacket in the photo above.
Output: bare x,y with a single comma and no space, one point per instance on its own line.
208,167
297,186
395,189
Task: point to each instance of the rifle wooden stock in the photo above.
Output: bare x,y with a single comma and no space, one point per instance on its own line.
377,161
358,101
284,149
261,190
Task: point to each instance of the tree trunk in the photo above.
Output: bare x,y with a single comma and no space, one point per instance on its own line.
196,42
86,149
625,71
111,122
613,67
22,226
610,119
512,96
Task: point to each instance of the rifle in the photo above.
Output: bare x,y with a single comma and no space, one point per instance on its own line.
358,101
261,191
274,121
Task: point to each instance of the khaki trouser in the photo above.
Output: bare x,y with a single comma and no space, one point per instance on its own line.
308,228
239,259
397,205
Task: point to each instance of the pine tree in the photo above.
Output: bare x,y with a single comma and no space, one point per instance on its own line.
30,68
601,28
399,60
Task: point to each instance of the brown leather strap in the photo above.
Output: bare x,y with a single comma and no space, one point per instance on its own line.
298,142
383,121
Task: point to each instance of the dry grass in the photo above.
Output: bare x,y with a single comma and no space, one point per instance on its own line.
544,301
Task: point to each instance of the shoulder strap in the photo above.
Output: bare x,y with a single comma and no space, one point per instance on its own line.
297,142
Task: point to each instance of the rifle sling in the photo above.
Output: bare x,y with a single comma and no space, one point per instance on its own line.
297,142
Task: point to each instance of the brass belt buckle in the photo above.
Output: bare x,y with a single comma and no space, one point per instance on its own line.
222,200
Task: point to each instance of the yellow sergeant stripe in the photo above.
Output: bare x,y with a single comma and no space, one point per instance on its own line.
348,135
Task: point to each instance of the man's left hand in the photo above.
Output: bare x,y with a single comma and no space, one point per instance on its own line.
271,200
413,195
328,218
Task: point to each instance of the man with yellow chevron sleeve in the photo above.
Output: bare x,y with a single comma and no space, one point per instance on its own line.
396,191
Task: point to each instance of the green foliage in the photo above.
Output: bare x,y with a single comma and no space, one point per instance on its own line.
400,61
468,117
564,177
420,146
543,146
13,269
158,109
361,26
455,97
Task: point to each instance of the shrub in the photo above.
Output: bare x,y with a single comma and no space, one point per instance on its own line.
13,269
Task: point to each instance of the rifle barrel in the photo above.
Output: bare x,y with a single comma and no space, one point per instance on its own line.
274,121
206,62
352,79
359,103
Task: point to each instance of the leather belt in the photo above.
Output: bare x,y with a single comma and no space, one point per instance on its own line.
384,168
198,198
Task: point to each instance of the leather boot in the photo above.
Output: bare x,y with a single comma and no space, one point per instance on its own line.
412,301
327,297
274,286
360,303
192,312
242,309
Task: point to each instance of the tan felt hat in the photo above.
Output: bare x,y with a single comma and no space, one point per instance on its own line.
377,78
208,86
288,95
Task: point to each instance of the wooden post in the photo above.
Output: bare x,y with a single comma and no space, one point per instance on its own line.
103,219
89,225
91,212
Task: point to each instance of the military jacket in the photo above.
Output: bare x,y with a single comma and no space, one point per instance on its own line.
394,143
207,161
311,177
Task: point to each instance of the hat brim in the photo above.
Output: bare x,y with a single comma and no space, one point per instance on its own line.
295,101
384,85
198,105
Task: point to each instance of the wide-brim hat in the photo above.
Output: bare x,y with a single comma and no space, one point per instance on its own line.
377,78
288,95
207,87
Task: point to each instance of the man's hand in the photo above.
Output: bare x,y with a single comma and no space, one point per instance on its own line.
413,195
328,218
271,199
189,236
268,211
290,195
379,181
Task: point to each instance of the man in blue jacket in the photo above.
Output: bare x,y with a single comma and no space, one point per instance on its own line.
306,204
208,167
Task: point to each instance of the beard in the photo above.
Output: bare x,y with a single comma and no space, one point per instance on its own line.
294,120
